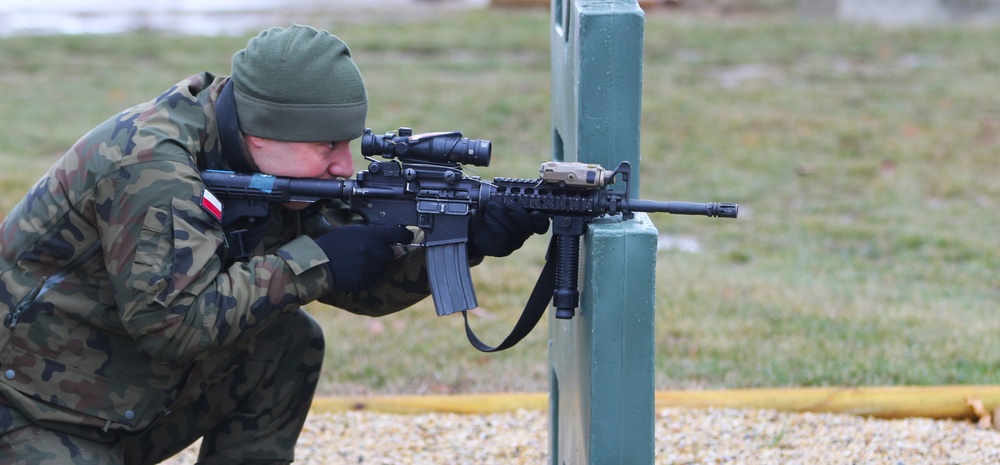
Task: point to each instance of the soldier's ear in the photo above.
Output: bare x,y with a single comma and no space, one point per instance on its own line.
254,141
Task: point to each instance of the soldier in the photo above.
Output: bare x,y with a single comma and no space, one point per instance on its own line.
135,323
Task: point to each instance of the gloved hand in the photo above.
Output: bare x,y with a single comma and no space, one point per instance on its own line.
502,228
359,254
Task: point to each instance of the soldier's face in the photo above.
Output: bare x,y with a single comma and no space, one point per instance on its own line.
323,160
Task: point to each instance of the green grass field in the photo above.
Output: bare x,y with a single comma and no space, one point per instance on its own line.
864,159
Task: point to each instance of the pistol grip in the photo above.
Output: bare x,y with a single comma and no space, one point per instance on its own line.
450,279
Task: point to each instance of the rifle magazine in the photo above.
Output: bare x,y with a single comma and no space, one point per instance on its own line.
450,279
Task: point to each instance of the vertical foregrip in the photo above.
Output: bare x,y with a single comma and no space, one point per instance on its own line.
567,231
566,297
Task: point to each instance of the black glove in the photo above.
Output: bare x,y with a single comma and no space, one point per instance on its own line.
502,228
359,254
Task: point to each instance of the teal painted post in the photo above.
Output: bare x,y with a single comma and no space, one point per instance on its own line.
602,360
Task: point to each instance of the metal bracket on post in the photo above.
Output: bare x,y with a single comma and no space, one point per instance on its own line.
602,360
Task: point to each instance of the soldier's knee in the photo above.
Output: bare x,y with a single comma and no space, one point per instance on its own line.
294,337
302,341
311,330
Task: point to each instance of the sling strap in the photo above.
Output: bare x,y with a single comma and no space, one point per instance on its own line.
533,309
229,131
241,238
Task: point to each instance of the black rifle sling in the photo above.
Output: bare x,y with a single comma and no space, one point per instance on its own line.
539,300
229,130
242,234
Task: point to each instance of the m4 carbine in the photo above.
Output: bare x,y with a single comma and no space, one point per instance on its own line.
420,182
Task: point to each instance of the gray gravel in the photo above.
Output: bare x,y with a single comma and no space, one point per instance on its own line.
683,436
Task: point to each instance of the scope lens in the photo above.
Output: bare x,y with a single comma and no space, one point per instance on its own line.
372,144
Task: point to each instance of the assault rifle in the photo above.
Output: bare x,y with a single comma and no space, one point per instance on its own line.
420,182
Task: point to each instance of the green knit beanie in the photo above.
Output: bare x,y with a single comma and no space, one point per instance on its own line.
299,84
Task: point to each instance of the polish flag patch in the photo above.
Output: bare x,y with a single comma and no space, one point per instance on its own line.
211,204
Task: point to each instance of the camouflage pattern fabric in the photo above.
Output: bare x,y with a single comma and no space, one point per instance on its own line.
250,411
120,306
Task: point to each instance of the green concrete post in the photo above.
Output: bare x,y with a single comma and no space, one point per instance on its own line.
602,360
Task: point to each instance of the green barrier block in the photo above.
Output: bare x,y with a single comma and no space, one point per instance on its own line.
602,405
597,82
602,360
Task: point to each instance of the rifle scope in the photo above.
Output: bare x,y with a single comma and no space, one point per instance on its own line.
434,147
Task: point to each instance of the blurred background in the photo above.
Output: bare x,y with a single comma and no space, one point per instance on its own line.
190,16
859,136
238,16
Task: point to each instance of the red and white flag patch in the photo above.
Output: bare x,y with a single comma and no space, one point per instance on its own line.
211,204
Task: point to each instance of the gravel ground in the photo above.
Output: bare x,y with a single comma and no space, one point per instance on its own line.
683,436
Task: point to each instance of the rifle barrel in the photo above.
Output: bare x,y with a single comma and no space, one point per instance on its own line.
712,209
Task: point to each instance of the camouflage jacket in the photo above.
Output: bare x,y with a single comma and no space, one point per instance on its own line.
113,277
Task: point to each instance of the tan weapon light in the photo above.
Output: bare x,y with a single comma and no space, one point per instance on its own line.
574,174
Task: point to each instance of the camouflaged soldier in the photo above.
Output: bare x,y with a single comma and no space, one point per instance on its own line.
134,323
